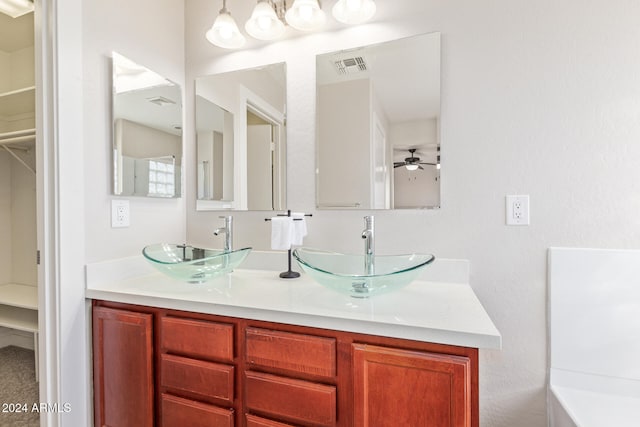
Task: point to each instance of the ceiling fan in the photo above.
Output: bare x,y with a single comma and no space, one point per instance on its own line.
412,162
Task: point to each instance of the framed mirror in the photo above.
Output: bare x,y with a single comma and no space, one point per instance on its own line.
147,132
378,122
241,139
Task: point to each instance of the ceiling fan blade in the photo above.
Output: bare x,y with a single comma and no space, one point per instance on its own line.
420,167
431,164
398,164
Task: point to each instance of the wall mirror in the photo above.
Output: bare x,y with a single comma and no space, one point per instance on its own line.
147,132
378,121
241,139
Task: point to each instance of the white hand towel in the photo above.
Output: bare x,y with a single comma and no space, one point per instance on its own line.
299,228
281,232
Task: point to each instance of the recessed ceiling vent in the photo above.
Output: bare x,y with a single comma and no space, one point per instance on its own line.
351,65
161,101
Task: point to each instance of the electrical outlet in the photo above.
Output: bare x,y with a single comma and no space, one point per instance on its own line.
119,213
517,210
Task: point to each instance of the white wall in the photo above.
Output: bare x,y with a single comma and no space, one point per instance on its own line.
344,143
538,98
23,221
17,220
86,34
152,36
5,218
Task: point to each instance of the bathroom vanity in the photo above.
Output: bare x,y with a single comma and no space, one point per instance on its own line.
251,349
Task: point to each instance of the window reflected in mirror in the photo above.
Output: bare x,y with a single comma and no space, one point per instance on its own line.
378,122
147,132
241,139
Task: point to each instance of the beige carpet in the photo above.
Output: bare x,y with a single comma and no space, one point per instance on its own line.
18,388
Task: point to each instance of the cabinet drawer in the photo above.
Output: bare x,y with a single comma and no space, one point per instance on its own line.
292,352
253,421
291,399
179,412
204,379
198,338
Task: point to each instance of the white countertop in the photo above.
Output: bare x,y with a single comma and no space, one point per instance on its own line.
431,311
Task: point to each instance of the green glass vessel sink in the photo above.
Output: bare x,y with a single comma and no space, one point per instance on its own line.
191,264
347,273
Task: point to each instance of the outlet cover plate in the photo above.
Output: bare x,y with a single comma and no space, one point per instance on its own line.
119,213
517,210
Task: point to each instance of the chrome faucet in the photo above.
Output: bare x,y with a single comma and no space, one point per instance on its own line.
369,245
228,232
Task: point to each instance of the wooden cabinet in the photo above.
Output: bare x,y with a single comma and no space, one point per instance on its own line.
197,372
394,387
289,399
179,412
218,371
122,368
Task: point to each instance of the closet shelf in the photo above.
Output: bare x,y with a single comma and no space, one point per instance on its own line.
10,142
19,101
18,295
17,136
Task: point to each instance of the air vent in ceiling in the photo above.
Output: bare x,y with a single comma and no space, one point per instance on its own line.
351,65
161,101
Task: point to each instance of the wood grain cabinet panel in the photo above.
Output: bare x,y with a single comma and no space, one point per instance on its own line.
394,387
197,338
192,372
179,412
289,399
122,368
253,421
206,380
296,353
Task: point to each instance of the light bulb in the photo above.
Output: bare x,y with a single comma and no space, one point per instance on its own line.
264,24
354,5
305,15
354,11
306,12
225,33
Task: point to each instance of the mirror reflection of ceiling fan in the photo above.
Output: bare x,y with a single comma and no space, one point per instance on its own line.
412,162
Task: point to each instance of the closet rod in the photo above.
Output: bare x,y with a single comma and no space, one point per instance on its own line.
17,139
19,159
17,133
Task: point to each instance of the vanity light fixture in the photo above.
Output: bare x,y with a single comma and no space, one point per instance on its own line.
353,11
264,23
269,18
305,15
224,32
16,8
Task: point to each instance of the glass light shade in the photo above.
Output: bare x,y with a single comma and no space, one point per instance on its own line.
225,33
305,15
411,167
354,11
264,23
15,8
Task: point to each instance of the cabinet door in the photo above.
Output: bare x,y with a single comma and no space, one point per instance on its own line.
394,387
123,368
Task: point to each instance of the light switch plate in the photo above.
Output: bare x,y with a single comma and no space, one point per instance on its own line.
517,210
